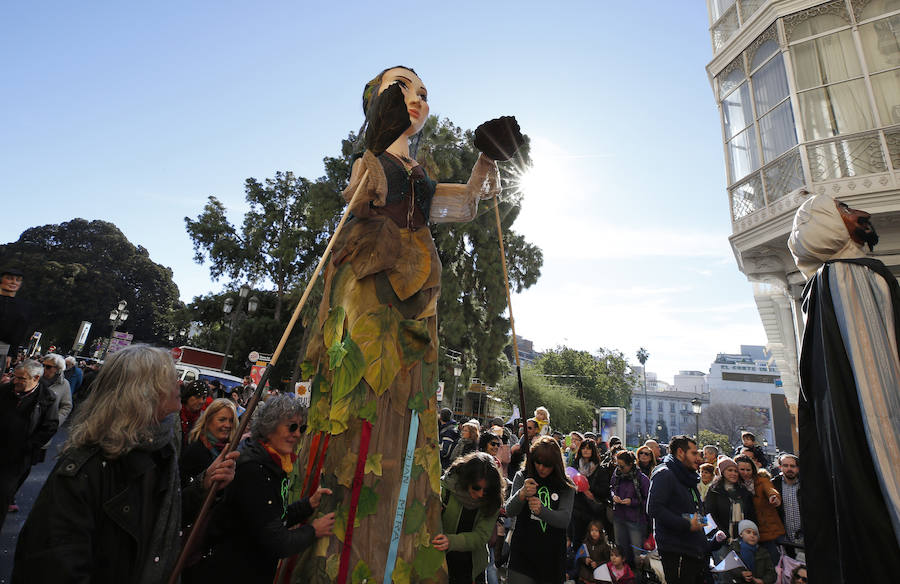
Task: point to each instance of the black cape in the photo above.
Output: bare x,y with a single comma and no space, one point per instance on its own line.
848,533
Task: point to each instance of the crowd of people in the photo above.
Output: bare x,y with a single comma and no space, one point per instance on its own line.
585,510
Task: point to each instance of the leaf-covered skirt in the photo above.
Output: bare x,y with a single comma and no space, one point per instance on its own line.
373,360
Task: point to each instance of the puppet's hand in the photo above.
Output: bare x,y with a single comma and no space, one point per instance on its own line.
387,118
500,138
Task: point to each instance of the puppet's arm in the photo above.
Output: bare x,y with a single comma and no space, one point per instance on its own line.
457,203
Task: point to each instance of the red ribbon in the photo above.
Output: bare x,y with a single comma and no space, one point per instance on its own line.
354,500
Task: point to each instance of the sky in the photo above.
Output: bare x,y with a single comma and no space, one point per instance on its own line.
135,114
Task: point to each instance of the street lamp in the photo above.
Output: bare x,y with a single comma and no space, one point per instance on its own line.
235,312
117,316
658,429
642,356
697,408
457,371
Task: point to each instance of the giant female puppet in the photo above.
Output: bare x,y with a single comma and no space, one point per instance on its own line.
372,431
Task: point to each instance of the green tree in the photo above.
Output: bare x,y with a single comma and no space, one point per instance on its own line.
720,440
604,379
79,270
567,411
283,234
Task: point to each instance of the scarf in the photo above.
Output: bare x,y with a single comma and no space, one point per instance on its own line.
165,543
214,446
285,461
586,467
635,479
187,420
748,555
451,481
750,485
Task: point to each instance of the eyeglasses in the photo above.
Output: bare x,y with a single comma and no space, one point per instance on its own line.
495,444
49,366
477,488
801,578
295,426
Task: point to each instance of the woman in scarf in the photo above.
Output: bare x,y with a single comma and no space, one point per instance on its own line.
111,509
254,525
728,500
629,488
766,501
589,505
215,427
541,502
472,492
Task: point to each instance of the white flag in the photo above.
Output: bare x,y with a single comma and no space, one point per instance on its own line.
731,562
601,574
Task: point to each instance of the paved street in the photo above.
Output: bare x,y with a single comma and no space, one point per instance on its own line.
25,499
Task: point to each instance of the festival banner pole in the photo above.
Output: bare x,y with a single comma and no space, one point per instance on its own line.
512,322
199,524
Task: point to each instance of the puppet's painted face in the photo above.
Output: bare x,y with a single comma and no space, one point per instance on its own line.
415,93
859,225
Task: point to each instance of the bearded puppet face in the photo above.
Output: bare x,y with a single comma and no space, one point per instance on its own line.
859,225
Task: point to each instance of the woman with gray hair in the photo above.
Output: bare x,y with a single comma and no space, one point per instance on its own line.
111,509
54,367
254,522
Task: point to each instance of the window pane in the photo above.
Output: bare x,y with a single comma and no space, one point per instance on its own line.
763,52
886,87
881,43
873,8
825,60
725,29
747,197
748,7
837,109
846,158
828,17
728,82
777,133
737,111
742,155
893,144
719,7
783,176
770,85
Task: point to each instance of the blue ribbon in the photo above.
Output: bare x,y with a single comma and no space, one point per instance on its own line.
401,499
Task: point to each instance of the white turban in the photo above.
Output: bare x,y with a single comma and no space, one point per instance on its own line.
819,235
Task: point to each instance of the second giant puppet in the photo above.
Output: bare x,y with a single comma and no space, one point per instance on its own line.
372,428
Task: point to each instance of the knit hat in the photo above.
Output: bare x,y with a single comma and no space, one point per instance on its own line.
725,462
747,524
196,388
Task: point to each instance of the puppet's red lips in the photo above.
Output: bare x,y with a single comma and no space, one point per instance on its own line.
414,113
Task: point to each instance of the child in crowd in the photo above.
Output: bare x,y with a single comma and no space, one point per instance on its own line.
542,415
707,474
593,552
571,562
621,571
758,562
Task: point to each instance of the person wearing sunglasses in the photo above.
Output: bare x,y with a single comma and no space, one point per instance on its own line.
541,503
254,526
472,493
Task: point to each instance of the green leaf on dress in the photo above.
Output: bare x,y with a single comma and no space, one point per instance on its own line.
361,573
415,517
414,339
417,402
376,335
417,469
427,562
368,502
307,369
333,329
369,411
402,572
336,354
350,371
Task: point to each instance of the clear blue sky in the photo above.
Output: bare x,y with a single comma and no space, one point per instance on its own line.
135,114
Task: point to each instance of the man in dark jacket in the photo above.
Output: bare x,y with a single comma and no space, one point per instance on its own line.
14,316
448,435
788,485
28,419
675,506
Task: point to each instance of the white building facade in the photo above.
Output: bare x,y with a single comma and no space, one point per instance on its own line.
809,102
